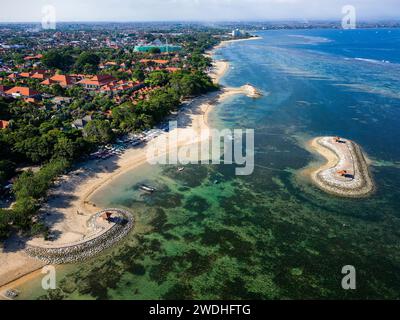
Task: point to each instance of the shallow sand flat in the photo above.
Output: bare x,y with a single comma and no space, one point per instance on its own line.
345,156
15,263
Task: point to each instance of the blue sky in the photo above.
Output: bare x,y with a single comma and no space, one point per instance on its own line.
201,10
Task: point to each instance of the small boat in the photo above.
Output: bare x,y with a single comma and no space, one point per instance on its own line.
147,188
12,293
181,169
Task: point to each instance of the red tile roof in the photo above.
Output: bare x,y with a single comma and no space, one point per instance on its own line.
30,100
48,82
63,80
4,124
155,61
172,69
25,74
38,56
99,80
23,91
39,76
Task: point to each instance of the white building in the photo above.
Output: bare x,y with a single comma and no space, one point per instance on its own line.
237,33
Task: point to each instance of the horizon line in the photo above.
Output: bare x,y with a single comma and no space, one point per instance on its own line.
302,20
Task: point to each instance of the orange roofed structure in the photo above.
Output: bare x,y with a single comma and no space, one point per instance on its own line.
4,124
96,82
63,80
158,61
22,92
48,82
37,57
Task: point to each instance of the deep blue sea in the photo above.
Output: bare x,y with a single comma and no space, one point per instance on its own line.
271,235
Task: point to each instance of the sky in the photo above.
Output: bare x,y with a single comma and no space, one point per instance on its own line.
194,10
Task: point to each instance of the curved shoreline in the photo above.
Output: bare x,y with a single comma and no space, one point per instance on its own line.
346,172
69,203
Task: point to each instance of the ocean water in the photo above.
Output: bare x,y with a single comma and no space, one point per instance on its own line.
209,234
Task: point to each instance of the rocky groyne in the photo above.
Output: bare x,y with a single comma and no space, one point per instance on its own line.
103,238
348,175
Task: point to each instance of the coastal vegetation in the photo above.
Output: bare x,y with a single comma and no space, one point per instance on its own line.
43,135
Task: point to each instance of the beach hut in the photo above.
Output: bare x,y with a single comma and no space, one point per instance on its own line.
106,215
342,173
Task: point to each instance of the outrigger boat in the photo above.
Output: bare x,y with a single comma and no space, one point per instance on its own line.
12,293
147,188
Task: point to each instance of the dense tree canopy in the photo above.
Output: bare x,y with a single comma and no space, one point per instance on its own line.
99,132
56,59
87,62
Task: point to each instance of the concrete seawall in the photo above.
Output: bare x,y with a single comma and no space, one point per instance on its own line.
350,176
88,247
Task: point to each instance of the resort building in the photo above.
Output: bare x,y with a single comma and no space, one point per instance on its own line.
61,100
238,33
157,44
12,76
39,76
24,92
63,80
118,86
48,82
37,57
156,61
96,82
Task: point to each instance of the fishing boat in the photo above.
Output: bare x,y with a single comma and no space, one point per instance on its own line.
147,188
12,293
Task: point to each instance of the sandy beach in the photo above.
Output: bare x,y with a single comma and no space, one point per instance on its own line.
227,42
69,206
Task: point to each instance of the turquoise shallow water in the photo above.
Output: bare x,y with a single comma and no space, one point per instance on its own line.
271,235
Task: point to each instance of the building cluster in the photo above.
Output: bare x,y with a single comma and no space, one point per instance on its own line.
27,78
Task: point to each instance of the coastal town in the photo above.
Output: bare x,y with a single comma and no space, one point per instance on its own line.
71,102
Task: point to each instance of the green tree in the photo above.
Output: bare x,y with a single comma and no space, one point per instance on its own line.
158,78
56,59
155,50
87,62
5,223
65,148
7,170
57,90
98,132
138,74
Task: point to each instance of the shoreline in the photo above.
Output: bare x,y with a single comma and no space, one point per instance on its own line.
226,42
73,192
345,172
